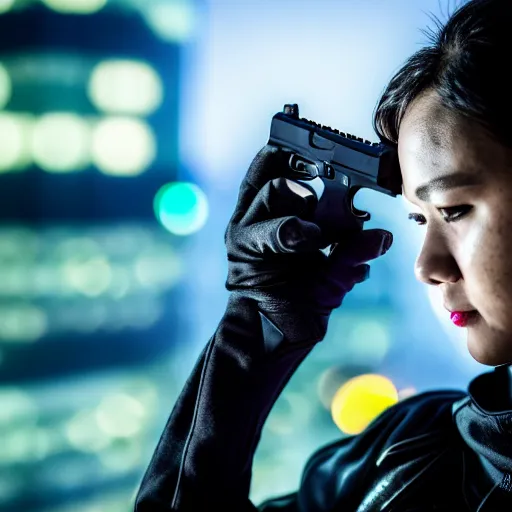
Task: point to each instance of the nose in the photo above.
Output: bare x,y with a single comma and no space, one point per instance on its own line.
435,263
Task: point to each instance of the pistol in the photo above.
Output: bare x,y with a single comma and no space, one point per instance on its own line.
334,165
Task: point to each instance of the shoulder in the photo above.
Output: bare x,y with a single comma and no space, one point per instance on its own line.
345,469
419,414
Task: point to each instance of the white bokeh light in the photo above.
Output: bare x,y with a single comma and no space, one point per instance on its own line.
15,130
123,146
172,21
61,142
76,6
125,87
5,85
6,5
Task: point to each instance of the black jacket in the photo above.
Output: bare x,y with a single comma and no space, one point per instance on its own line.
437,451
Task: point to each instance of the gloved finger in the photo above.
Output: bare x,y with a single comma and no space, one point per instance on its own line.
360,248
336,286
280,198
269,163
279,236
348,276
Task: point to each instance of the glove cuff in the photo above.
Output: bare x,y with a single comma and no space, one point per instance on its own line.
285,322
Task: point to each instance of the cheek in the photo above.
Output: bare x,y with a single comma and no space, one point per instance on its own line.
486,264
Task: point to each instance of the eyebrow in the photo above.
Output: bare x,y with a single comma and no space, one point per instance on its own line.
447,182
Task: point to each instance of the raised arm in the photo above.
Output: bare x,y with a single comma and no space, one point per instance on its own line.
283,289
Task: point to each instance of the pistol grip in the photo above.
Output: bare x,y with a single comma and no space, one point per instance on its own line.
335,212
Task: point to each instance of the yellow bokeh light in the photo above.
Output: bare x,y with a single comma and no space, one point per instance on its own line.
125,87
5,83
360,400
75,6
61,142
123,146
15,132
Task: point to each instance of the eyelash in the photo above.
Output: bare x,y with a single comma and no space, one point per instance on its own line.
455,213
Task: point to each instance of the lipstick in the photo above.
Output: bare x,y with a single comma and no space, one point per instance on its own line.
462,318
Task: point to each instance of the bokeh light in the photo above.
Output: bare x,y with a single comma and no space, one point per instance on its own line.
160,270
125,87
120,415
89,276
22,323
61,142
75,6
15,130
5,83
172,21
121,455
6,5
17,407
369,342
405,393
123,146
360,400
83,432
182,208
328,384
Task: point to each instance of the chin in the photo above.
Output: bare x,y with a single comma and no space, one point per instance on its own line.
490,348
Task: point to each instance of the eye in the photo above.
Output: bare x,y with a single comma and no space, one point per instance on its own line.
455,212
452,214
418,218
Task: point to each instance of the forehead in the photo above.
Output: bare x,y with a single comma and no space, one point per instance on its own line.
434,142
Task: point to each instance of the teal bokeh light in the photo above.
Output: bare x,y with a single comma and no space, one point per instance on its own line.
181,208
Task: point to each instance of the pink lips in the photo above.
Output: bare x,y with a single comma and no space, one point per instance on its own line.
462,318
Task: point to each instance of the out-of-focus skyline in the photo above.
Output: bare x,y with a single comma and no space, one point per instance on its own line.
126,127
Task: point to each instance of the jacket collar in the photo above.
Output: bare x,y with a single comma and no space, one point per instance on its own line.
484,421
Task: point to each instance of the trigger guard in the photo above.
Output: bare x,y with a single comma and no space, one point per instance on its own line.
359,214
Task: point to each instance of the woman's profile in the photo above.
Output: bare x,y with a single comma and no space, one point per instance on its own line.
448,113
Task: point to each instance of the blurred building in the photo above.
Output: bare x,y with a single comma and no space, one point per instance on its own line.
92,238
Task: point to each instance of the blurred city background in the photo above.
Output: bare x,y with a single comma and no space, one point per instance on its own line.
125,129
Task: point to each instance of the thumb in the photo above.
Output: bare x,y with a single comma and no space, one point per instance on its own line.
280,198
279,236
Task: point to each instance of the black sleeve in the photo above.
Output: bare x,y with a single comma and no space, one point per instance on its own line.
204,457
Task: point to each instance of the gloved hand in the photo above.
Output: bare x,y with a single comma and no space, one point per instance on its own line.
274,257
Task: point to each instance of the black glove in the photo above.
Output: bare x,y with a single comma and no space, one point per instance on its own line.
274,255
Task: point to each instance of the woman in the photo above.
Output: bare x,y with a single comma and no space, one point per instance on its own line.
448,112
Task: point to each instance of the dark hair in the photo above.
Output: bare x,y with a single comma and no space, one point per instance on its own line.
466,63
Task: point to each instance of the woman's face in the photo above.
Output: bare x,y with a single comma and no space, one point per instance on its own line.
459,182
